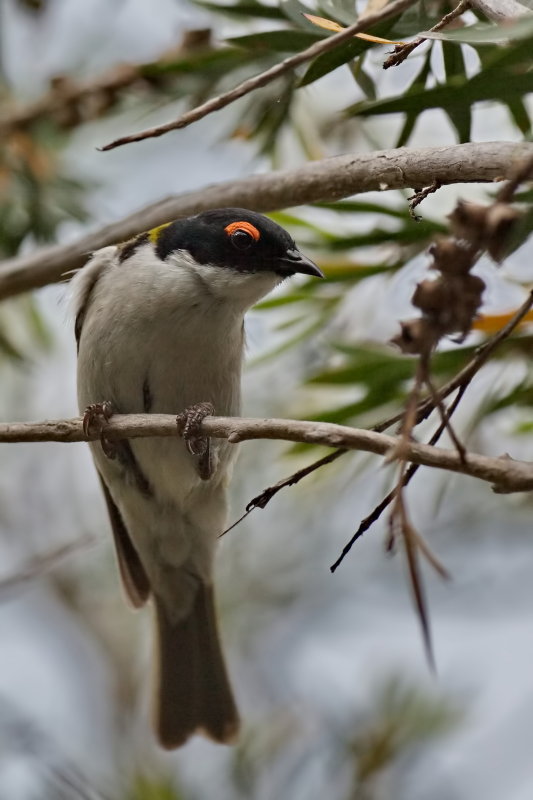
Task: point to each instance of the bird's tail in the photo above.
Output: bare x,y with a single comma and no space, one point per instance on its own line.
194,694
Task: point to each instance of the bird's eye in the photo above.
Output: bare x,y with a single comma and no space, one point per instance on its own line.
241,239
242,234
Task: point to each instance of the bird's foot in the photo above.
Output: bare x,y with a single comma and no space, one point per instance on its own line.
95,419
189,428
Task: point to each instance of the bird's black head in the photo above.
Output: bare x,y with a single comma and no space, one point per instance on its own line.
234,238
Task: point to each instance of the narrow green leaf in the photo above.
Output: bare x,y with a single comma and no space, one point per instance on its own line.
218,62
245,8
519,114
294,10
419,82
317,323
284,300
454,95
521,395
343,54
524,197
363,207
497,58
410,234
7,348
327,62
341,11
454,66
278,41
353,273
520,233
407,129
363,79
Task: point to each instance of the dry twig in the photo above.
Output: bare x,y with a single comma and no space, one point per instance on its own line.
419,195
263,499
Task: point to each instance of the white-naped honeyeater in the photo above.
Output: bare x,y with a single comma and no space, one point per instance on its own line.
160,329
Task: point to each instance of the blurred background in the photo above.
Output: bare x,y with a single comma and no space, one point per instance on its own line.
329,671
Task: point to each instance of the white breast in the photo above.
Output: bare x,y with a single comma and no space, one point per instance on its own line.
167,333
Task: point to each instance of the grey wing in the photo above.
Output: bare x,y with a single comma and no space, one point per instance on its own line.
132,572
83,283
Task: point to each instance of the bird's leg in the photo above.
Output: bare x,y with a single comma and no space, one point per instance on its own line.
96,416
189,423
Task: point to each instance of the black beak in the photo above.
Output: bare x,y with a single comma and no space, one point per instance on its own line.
294,262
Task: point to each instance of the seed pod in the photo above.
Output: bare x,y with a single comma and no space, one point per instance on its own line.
468,221
501,222
450,257
431,296
416,336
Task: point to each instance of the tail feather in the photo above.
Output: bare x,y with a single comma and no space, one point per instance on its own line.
194,694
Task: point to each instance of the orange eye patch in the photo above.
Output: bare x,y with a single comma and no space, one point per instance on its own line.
247,227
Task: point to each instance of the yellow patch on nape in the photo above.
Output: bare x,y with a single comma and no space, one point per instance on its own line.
154,233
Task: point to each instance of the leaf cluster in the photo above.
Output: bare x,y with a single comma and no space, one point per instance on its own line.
465,68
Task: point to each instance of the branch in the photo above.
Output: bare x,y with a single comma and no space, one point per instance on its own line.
501,10
264,78
326,180
505,473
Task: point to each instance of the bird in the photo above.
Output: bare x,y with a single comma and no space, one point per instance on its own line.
159,325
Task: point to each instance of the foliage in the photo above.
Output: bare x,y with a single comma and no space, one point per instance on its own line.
402,719
35,198
153,788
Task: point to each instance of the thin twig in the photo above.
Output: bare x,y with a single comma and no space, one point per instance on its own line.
410,542
399,521
262,500
264,78
445,417
401,51
419,195
409,417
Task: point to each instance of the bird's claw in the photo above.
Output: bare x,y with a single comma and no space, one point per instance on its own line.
95,417
189,427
